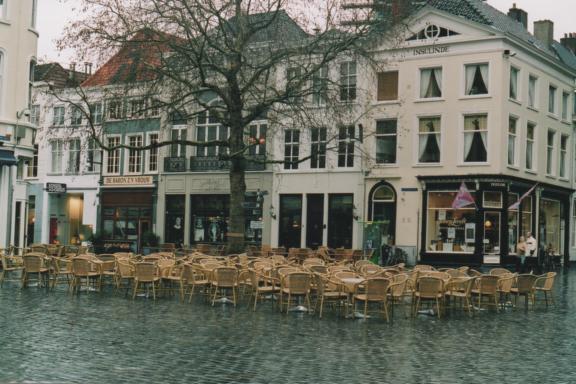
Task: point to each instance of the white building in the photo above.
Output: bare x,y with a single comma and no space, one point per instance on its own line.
18,43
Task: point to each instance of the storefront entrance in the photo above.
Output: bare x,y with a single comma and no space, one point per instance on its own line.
314,220
290,221
340,219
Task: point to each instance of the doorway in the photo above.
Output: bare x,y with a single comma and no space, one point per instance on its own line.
314,220
290,225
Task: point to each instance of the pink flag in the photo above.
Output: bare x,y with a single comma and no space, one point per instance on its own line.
516,205
463,198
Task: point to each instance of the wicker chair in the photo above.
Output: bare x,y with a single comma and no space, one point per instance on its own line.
34,264
524,287
544,284
487,286
223,279
423,267
82,271
145,273
60,271
10,264
429,288
195,276
456,273
328,291
124,274
397,289
295,285
319,269
460,288
499,271
312,261
505,284
375,291
261,286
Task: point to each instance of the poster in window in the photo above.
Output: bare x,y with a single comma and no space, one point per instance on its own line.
470,232
441,215
451,233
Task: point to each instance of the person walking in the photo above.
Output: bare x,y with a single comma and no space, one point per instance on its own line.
521,254
531,253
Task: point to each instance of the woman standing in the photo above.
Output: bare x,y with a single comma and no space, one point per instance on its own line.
521,252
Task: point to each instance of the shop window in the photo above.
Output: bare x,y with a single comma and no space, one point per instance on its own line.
512,140
526,215
291,148
552,99
551,230
152,163
449,230
174,220
491,232
348,81
386,141
346,146
387,86
73,157
513,92
532,91
31,219
430,83
429,140
550,152
318,147
492,199
320,86
476,79
134,155
530,145
475,138
563,155
512,224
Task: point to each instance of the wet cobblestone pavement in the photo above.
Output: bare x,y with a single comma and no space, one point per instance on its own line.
53,337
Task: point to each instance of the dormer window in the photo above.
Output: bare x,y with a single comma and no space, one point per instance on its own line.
432,31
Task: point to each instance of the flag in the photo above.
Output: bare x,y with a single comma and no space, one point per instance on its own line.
463,198
516,205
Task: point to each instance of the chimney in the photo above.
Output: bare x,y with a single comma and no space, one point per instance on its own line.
569,42
71,73
519,15
544,31
87,68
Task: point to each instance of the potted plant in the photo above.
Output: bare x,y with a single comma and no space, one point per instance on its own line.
149,241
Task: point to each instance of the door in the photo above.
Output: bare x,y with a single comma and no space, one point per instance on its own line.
290,226
314,220
143,227
17,226
340,218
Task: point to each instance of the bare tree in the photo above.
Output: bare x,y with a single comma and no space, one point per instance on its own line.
237,61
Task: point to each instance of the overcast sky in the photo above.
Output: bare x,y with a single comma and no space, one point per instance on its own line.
54,14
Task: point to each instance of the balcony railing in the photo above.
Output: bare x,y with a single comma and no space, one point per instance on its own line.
174,164
203,164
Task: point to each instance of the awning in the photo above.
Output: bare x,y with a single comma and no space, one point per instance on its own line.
7,158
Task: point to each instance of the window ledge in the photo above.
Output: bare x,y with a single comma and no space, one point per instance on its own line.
54,174
486,164
429,99
531,171
564,179
533,108
427,165
5,22
515,101
513,167
386,165
567,122
386,102
475,97
552,115
548,176
34,31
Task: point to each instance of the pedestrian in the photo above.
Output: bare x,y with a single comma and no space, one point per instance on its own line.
531,254
520,253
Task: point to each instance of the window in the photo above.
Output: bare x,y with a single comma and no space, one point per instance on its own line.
114,109
32,171
58,119
152,153
31,70
136,108
318,148
291,148
387,86
134,155
532,91
514,83
96,113
346,146
3,6
35,114
76,116
476,79
1,64
320,86
552,99
563,155
565,99
550,152
429,139
348,81
94,157
530,139
386,139
512,140
257,139
293,86
113,156
475,138
208,129
154,110
179,133
73,157
57,155
447,229
573,223
34,13
430,83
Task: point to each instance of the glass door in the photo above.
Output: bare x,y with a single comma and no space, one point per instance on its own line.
492,232
340,217
290,225
314,220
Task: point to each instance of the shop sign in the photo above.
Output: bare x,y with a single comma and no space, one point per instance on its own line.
430,50
128,180
55,188
256,224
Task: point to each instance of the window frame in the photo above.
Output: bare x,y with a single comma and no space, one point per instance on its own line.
440,86
320,86
318,147
533,103
152,152
76,116
552,102
384,136
485,142
379,78
117,155
34,16
134,158
114,109
516,70
348,81
73,166
56,163
96,113
486,81
565,105
58,119
292,147
562,161
419,134
4,10
551,152
93,157
257,130
346,146
514,137
533,142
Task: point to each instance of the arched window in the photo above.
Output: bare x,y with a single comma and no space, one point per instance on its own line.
382,210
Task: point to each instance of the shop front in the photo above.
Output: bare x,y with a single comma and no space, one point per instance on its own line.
488,231
127,212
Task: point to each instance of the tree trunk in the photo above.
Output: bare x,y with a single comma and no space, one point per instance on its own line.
236,229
